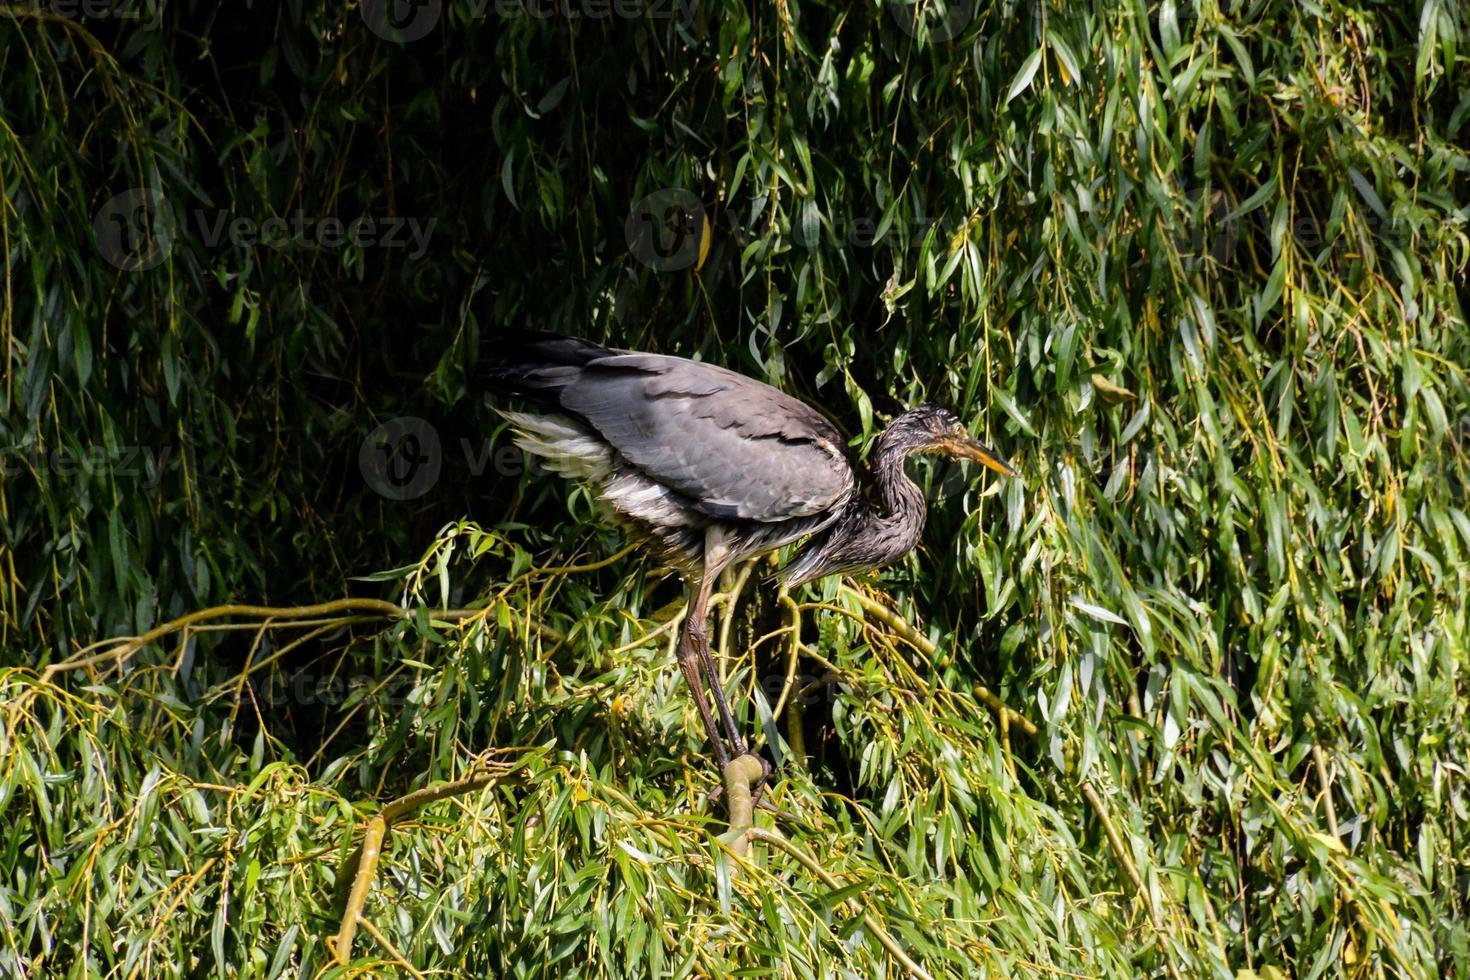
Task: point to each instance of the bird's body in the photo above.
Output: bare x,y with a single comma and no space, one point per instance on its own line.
685,453
716,468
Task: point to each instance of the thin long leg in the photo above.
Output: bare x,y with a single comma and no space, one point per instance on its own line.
689,664
727,717
695,623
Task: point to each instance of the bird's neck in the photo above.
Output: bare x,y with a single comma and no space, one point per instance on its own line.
865,536
899,520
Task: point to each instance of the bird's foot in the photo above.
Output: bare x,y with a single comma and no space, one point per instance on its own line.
758,789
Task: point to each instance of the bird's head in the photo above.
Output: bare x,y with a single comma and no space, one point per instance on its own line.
937,431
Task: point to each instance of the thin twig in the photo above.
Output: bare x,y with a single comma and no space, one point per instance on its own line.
589,567
1320,758
125,647
398,957
727,615
792,649
1120,851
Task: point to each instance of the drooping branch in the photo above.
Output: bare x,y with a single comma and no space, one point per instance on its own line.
344,612
1010,716
363,864
870,921
1125,860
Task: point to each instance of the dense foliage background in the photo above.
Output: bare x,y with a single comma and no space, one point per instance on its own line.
1197,267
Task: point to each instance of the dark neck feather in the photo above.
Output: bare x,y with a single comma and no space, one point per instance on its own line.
865,537
900,523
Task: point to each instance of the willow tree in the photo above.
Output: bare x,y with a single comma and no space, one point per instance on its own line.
1188,701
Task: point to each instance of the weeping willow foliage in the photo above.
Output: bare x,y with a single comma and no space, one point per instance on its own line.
1197,267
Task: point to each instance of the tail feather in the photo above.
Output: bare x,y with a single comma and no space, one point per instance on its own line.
565,447
536,365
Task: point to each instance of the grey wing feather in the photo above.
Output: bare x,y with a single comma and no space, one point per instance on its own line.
736,447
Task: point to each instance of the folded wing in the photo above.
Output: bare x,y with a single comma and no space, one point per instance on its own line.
737,448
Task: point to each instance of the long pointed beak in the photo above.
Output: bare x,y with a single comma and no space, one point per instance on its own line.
981,453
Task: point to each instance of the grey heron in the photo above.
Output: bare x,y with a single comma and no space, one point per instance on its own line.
714,468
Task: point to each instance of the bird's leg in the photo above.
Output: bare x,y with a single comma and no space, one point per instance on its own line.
727,718
738,747
689,664
694,622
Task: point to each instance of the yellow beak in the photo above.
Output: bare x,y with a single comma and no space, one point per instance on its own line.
979,452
